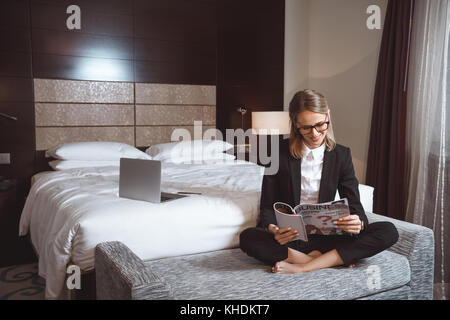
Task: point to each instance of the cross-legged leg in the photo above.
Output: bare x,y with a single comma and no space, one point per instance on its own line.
298,258
378,237
261,245
327,260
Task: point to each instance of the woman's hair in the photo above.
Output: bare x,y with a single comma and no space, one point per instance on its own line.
309,100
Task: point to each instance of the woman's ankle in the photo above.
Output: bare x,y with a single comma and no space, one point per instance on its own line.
296,257
315,254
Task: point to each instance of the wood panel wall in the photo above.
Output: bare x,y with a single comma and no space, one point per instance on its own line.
250,60
16,93
170,41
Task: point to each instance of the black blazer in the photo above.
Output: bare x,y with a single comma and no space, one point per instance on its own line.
285,186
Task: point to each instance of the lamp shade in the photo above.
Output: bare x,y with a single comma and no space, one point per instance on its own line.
270,122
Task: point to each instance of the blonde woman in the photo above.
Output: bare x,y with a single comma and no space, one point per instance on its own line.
312,168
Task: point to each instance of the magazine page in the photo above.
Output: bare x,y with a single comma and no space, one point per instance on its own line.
319,218
286,217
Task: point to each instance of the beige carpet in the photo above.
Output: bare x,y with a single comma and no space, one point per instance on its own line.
21,283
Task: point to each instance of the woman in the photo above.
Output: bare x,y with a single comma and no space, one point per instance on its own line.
312,168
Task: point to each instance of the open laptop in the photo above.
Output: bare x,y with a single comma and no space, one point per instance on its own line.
141,180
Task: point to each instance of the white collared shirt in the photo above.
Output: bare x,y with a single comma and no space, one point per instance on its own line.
312,163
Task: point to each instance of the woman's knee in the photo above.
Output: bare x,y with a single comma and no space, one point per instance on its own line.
387,231
392,231
244,238
249,237
260,244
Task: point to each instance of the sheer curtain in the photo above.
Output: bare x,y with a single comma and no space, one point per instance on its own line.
428,134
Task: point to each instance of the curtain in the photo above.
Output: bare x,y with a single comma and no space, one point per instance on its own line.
428,131
386,158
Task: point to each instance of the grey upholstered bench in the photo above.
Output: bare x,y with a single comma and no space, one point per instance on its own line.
405,271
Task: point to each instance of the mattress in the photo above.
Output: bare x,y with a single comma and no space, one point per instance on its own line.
69,212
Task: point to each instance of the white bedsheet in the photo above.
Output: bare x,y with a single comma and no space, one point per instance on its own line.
69,212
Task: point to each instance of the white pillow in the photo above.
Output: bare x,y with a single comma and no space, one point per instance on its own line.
95,151
73,164
199,158
187,149
365,196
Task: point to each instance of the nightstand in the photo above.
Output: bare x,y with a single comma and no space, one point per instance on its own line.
13,249
8,199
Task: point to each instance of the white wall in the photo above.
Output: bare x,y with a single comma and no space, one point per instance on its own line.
341,62
296,47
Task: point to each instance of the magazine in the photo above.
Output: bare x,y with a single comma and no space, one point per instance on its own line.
311,218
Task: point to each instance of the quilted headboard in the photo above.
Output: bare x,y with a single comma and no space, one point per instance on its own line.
139,114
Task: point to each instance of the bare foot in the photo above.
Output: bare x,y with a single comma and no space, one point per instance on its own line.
286,267
351,266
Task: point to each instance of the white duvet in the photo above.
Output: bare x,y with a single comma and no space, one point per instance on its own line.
69,212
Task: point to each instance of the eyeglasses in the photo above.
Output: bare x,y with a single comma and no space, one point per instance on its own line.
320,127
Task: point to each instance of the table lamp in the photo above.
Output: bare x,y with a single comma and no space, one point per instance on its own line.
273,124
270,122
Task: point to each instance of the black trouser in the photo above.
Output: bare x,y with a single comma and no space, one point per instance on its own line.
378,236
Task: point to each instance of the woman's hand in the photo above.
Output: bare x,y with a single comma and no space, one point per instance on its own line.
350,224
283,235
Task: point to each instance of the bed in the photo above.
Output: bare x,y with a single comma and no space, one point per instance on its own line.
69,212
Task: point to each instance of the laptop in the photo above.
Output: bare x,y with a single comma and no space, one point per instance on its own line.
141,180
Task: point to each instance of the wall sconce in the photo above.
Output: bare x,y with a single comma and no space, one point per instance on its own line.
4,115
242,110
